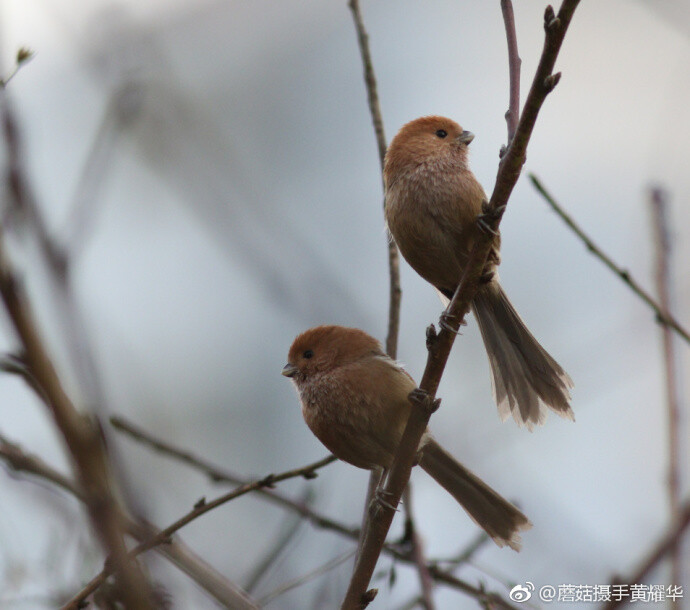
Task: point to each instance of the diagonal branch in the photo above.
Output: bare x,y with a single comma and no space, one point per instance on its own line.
662,317
222,590
665,546
82,435
439,345
316,519
200,508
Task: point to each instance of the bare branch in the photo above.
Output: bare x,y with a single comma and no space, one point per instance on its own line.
439,345
514,64
203,574
200,508
395,292
417,551
662,242
298,582
316,519
82,435
665,546
662,317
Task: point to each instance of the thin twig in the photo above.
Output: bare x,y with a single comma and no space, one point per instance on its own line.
469,552
217,474
662,317
210,580
82,435
417,552
21,461
200,508
665,546
514,64
394,287
439,345
662,242
212,472
298,582
290,528
395,292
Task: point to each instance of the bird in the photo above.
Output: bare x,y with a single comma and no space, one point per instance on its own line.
355,400
432,205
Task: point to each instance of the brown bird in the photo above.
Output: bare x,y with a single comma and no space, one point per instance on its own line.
355,400
432,204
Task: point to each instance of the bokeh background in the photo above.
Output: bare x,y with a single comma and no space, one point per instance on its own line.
212,171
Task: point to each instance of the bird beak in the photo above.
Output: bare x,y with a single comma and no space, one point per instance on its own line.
289,370
465,137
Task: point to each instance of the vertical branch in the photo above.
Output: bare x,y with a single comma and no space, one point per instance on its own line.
439,345
662,243
425,580
375,110
514,64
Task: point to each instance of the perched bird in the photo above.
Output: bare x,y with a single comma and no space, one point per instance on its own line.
355,400
432,205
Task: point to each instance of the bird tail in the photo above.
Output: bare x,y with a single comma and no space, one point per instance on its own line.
495,515
524,377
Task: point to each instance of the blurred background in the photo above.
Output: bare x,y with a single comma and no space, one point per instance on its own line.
211,170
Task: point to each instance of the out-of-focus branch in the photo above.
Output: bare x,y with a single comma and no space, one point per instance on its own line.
23,55
291,527
82,435
417,551
665,546
662,242
225,592
439,345
301,580
21,461
395,292
662,317
514,64
316,519
214,473
200,508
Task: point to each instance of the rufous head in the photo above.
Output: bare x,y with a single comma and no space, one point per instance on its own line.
424,140
325,348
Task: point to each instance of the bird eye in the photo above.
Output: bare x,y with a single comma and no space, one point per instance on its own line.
441,133
308,354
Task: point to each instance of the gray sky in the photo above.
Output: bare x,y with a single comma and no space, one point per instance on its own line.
226,163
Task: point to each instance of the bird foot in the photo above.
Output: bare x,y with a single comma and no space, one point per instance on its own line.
379,501
446,323
488,218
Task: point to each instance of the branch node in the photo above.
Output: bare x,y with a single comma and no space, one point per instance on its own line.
310,474
502,152
201,502
551,81
431,337
551,22
368,597
268,481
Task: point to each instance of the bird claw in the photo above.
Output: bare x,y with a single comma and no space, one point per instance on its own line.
379,501
484,226
488,217
445,323
421,399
